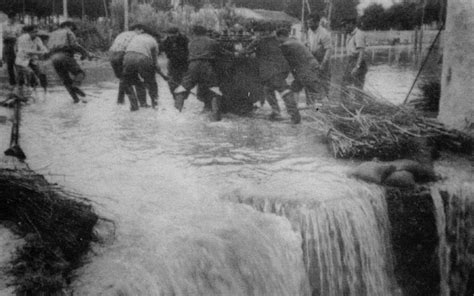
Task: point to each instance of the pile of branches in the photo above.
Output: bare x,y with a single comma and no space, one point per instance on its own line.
57,226
364,127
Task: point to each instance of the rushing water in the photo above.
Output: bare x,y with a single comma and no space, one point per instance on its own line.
187,196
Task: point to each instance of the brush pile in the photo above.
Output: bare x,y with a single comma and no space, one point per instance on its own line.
365,127
57,227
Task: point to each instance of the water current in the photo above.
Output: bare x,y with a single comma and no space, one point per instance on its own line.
244,206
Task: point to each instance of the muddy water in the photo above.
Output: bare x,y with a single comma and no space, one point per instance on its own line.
161,176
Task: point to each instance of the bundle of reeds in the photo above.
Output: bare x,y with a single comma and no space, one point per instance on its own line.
57,226
363,126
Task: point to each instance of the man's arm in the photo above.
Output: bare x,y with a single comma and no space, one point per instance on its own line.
76,46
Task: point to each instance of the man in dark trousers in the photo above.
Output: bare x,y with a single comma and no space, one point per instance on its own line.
140,63
303,64
203,52
63,45
117,52
175,46
11,31
273,71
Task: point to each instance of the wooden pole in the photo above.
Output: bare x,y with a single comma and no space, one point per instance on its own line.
125,8
303,26
329,14
105,8
65,12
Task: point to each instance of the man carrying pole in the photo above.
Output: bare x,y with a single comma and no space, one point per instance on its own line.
273,71
140,62
303,64
175,46
202,54
117,51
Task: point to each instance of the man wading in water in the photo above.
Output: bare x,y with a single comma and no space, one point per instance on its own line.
175,46
202,54
10,30
304,66
63,45
273,71
117,51
140,62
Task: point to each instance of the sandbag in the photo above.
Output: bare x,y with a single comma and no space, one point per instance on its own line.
372,171
421,173
401,178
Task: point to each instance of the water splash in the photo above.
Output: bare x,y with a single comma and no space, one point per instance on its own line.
245,253
346,247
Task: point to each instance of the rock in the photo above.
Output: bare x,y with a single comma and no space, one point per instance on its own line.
402,178
421,173
372,171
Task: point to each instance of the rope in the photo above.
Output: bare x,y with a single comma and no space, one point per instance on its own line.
424,63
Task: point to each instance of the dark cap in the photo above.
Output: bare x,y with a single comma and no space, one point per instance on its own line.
11,14
29,28
69,24
199,30
283,32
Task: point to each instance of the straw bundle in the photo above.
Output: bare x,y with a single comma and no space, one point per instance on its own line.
365,127
57,226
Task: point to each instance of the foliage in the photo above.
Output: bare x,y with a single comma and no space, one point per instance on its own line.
402,16
375,18
92,8
58,227
343,10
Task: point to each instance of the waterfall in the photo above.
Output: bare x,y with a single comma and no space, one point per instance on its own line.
345,238
454,201
223,250
443,250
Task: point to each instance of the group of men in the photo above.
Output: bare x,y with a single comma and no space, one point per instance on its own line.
24,47
134,59
192,62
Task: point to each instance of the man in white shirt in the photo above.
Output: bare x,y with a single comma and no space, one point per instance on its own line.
320,45
29,48
117,52
356,66
140,62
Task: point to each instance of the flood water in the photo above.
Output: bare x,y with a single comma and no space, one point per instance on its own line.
244,206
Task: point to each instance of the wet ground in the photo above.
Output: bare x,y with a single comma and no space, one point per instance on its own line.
161,174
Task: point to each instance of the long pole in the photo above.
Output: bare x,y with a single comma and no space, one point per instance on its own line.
125,8
106,10
65,14
329,14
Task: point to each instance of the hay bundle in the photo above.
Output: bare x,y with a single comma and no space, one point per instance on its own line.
57,225
365,127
